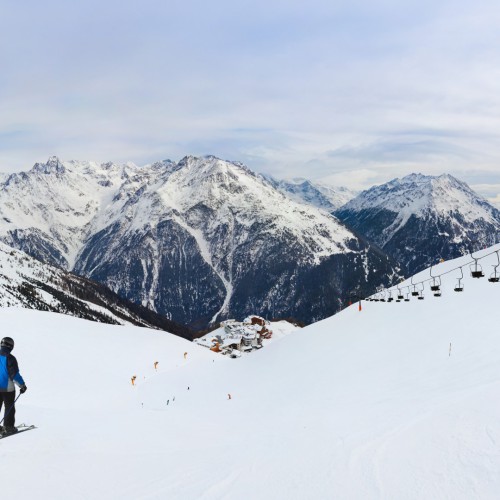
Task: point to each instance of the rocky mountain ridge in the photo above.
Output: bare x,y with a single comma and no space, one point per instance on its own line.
28,283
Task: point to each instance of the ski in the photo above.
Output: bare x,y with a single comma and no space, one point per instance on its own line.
21,428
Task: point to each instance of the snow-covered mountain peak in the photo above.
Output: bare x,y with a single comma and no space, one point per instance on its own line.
421,195
419,217
53,165
323,196
413,178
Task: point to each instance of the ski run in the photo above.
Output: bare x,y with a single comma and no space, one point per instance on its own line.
396,401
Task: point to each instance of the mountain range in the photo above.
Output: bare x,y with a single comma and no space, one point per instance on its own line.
197,240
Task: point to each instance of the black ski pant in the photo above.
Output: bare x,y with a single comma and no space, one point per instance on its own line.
7,398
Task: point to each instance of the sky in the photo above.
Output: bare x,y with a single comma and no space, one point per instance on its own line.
353,93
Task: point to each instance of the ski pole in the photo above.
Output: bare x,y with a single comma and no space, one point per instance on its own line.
10,408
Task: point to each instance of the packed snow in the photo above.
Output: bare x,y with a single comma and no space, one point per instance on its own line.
396,401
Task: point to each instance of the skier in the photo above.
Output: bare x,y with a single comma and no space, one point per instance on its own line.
9,375
156,364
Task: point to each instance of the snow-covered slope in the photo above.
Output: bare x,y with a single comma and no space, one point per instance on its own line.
198,240
366,404
420,219
27,282
317,194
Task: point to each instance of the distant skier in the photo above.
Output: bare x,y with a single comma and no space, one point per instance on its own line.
9,375
133,380
155,364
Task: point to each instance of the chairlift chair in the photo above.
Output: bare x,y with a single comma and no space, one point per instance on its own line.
435,287
400,295
459,286
476,271
495,277
436,283
414,292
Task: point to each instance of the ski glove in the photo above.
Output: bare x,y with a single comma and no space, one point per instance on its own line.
23,388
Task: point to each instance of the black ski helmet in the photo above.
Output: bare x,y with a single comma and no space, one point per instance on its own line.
7,342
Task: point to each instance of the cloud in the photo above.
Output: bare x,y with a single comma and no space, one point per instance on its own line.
353,91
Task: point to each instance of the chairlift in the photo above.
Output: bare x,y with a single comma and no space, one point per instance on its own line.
476,271
390,299
407,297
459,287
414,292
400,295
436,283
495,276
421,294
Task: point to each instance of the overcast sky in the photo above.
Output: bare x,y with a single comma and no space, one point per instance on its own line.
353,92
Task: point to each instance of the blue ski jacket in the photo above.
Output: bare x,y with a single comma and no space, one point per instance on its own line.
9,371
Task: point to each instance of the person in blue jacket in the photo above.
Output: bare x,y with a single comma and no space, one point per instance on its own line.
9,375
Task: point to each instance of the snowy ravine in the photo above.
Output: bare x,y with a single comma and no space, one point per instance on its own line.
396,401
